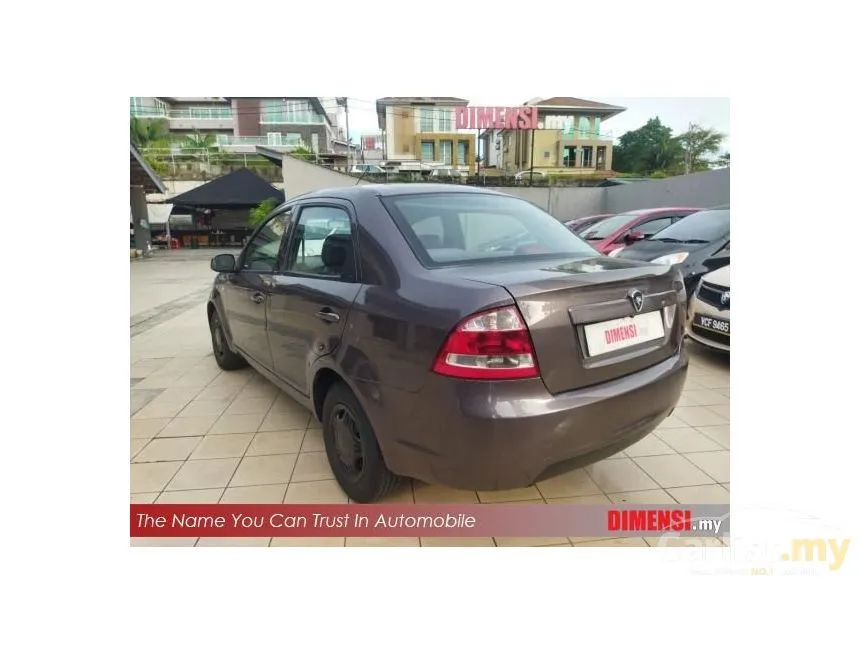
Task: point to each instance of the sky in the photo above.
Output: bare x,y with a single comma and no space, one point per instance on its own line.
677,113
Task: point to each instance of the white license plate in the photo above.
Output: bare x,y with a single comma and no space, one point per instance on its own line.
612,335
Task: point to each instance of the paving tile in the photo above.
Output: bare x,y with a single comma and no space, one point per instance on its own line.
267,494
249,406
143,498
530,541
382,541
136,445
209,473
313,441
723,410
256,390
152,542
201,496
714,382
276,443
403,494
725,391
172,449
318,492
699,416
178,394
683,542
146,478
686,440
715,464
656,496
650,445
161,410
219,446
188,427
720,434
204,408
284,421
312,466
434,494
285,404
457,541
671,471
706,397
672,421
235,378
237,424
270,469
571,484
707,494
581,499
308,541
620,476
235,542
147,428
219,393
511,495
142,398
614,542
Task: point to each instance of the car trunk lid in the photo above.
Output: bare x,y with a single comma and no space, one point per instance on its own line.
582,318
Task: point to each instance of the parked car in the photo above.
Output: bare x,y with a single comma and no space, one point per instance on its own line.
367,169
581,223
687,244
708,319
525,176
614,233
428,349
447,173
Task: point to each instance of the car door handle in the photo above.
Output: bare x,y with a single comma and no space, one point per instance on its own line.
328,315
258,297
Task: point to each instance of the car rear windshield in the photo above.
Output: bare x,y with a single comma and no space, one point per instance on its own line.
455,228
704,226
606,227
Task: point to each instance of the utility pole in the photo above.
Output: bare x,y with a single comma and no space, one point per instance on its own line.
348,140
532,171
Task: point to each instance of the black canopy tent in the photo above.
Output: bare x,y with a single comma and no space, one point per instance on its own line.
219,208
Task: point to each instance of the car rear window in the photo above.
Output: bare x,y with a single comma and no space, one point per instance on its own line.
606,227
704,226
456,228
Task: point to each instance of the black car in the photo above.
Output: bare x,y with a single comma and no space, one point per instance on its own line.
688,244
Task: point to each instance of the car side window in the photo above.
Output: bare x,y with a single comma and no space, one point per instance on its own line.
653,226
261,253
323,244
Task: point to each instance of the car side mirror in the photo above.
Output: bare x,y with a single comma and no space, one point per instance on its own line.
223,263
634,236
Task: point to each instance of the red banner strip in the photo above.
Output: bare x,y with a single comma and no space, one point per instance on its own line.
413,520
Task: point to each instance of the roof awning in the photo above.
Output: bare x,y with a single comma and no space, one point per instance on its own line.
143,175
239,190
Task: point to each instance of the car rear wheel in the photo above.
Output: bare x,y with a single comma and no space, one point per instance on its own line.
226,358
352,450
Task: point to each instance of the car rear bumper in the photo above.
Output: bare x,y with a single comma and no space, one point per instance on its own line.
491,436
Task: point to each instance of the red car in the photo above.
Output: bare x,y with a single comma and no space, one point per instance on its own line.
582,223
614,233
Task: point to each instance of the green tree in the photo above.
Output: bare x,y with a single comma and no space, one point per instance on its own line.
261,212
698,143
723,161
148,133
649,149
199,141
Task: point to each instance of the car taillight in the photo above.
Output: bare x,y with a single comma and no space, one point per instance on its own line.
490,345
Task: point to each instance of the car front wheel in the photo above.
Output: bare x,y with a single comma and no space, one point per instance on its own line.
226,358
352,450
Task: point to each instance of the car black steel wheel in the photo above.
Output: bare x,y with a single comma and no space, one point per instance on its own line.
226,358
352,450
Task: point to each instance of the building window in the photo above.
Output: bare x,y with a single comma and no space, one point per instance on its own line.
135,105
462,153
428,152
315,142
601,158
584,127
446,120
586,156
446,149
288,111
596,127
426,120
569,157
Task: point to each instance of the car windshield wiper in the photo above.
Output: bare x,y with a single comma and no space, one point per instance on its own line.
667,239
695,241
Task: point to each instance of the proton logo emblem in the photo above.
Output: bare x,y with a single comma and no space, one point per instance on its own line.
724,299
636,299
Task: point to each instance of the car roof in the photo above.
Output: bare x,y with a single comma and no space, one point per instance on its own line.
387,190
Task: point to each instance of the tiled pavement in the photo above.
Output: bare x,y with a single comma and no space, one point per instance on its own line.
202,435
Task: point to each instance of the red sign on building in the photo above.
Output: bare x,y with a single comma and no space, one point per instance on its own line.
500,118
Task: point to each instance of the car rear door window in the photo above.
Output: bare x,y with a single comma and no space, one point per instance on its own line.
323,243
652,226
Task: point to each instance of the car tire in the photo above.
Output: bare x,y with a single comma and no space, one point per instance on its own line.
226,358
353,452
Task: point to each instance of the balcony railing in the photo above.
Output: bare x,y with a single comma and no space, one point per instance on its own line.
204,113
274,140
